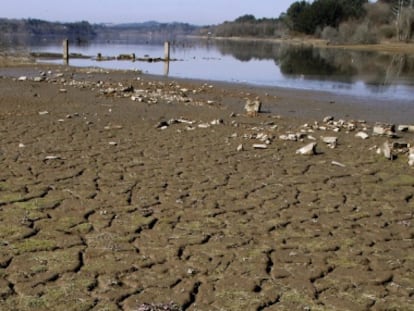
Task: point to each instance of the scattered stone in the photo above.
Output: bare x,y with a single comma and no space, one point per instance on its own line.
253,107
22,78
63,90
330,141
52,157
113,143
240,148
289,137
217,122
362,135
401,146
386,151
328,119
21,145
204,125
42,113
338,164
39,79
308,149
384,130
162,125
406,128
113,127
411,156
260,146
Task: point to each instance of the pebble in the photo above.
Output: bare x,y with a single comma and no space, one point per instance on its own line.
386,151
362,135
331,141
338,164
52,157
260,146
307,150
411,156
406,128
384,130
328,119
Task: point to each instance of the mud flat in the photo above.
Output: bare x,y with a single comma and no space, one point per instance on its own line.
121,191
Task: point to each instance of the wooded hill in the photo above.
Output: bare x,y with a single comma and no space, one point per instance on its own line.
338,21
28,31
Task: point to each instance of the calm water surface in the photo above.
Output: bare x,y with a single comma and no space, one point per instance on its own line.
386,77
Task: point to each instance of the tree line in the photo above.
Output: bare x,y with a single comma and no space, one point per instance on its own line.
338,21
36,27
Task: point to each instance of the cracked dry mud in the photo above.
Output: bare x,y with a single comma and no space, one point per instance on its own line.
179,216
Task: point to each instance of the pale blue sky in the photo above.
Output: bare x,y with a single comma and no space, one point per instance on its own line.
199,12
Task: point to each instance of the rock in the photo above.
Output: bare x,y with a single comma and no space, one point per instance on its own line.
384,130
400,145
289,137
406,128
411,156
338,164
39,79
22,78
331,141
307,150
386,151
259,146
253,107
42,113
52,157
362,135
162,125
217,122
240,148
328,119
204,125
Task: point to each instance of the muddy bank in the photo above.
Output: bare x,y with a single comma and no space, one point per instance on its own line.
120,191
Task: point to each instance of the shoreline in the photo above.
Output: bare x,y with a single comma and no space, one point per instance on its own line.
291,102
385,46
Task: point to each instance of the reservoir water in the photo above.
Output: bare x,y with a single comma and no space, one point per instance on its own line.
379,76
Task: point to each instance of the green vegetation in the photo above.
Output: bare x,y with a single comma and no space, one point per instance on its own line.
337,21
35,28
27,31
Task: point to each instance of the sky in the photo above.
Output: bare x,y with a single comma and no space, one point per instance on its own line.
198,12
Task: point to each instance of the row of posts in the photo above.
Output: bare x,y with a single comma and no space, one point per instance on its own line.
167,48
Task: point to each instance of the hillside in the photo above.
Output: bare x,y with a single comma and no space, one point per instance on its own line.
15,32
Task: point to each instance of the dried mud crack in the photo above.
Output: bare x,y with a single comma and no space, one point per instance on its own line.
108,203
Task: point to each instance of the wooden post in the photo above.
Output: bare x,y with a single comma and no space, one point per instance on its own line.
167,51
166,68
166,58
66,51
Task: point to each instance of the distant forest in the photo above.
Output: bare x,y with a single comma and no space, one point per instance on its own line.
15,32
337,21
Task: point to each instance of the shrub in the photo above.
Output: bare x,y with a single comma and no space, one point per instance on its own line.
387,31
329,33
364,35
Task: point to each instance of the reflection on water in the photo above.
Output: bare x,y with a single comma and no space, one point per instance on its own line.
357,73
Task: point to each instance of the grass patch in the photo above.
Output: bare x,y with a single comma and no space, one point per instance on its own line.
34,245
